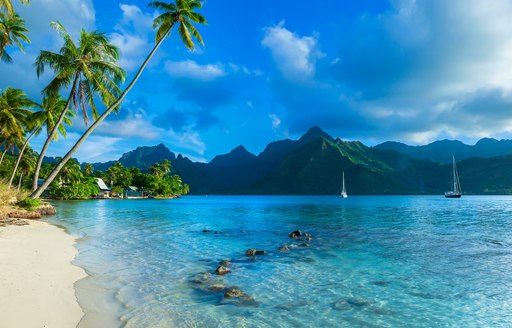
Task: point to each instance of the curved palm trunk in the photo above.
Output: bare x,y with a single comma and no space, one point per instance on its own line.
51,134
3,154
22,150
93,126
19,183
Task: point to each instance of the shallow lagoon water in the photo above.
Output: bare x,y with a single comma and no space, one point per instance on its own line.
374,261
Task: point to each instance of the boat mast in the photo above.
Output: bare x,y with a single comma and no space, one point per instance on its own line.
343,182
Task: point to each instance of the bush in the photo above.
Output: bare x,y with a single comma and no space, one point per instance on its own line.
29,203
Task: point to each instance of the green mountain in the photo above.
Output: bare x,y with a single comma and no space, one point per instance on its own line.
314,165
442,151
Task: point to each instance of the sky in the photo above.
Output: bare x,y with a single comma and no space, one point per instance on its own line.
412,71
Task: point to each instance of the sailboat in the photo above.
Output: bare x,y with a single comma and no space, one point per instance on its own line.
343,190
456,192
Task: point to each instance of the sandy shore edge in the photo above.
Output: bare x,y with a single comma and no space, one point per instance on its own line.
37,277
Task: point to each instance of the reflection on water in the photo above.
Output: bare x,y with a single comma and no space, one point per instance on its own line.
372,261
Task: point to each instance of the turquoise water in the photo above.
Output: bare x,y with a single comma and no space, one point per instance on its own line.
390,261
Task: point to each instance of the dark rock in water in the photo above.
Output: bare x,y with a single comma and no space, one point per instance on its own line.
295,234
222,270
237,297
380,283
217,288
358,301
46,209
292,305
309,239
225,263
235,293
250,252
206,230
351,303
201,278
304,245
254,252
283,248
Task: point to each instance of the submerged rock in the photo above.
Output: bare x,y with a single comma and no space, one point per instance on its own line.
254,252
201,278
304,245
217,288
283,248
222,270
206,230
46,209
351,303
225,263
237,297
309,238
250,252
295,234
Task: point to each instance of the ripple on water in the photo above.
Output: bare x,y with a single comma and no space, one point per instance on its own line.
373,261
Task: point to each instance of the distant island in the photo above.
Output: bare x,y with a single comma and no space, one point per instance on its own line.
314,163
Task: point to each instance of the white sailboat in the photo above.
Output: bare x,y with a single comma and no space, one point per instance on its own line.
456,192
343,190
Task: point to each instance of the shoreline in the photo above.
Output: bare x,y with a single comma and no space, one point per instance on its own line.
37,277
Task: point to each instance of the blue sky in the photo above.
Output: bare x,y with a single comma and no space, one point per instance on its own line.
413,71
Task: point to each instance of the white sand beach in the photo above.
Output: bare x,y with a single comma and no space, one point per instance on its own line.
37,277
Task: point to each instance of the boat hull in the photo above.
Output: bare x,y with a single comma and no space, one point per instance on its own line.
452,195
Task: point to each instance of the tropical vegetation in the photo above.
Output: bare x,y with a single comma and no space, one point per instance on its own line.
182,13
87,70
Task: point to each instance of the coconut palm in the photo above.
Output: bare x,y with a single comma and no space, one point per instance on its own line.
181,13
50,110
89,67
9,142
6,6
12,31
165,167
13,112
71,173
88,169
26,164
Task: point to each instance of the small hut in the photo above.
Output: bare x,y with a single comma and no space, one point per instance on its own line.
105,192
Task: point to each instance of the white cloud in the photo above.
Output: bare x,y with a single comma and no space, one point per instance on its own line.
192,70
295,56
276,121
187,139
132,36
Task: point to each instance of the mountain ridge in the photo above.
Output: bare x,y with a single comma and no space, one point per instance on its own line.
313,164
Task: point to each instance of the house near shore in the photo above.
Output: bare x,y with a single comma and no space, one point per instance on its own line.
105,192
134,192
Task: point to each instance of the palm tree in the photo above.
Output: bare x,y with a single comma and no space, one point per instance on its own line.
88,169
183,14
12,31
71,173
89,67
27,164
6,5
51,109
156,170
13,112
9,142
165,167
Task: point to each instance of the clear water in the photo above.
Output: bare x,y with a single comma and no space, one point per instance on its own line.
390,261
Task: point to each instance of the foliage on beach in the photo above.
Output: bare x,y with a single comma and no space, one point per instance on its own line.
29,203
159,182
